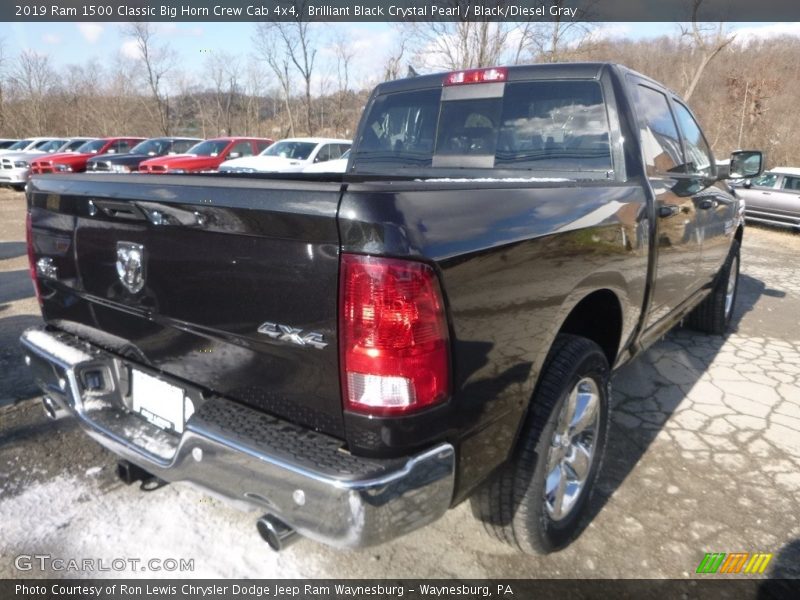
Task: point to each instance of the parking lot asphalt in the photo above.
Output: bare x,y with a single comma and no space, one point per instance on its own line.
704,456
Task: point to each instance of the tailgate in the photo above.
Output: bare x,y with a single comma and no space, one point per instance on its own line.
229,283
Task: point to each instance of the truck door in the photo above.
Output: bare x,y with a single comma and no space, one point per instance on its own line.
678,240
715,206
784,200
758,192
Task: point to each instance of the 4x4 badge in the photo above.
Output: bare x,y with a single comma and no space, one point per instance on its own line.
130,266
285,333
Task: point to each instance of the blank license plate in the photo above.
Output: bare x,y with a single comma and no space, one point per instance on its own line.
157,401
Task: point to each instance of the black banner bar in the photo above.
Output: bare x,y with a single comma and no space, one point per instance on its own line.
344,589
398,10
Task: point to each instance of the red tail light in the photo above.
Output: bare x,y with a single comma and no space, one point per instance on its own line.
491,75
32,258
393,336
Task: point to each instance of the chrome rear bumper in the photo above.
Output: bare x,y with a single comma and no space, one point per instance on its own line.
303,477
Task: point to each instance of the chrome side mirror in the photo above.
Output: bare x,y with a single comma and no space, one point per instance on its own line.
746,164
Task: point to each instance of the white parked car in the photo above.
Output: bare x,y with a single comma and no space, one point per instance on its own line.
338,165
27,144
15,167
292,155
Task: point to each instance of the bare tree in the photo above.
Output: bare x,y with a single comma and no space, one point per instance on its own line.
254,86
557,40
344,57
266,40
393,68
33,78
224,71
458,45
2,84
157,61
295,46
706,42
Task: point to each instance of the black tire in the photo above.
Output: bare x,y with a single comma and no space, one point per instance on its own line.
18,187
512,503
711,316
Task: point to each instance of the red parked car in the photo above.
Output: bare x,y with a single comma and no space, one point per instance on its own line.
75,162
206,156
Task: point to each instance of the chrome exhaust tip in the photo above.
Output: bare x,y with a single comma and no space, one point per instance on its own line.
52,409
276,533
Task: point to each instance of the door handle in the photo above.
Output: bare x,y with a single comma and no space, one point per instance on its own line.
668,210
706,204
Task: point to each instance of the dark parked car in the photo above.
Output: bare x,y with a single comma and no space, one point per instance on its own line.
355,353
152,148
773,198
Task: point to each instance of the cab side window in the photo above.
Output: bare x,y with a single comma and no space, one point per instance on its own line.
121,147
243,148
791,183
697,150
324,154
335,151
766,180
181,146
661,143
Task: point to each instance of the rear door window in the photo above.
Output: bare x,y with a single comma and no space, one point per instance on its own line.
122,146
335,151
791,183
75,145
324,154
181,146
243,149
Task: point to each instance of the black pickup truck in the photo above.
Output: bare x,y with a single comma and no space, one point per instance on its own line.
353,354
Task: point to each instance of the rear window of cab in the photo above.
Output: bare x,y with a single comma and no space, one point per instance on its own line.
530,126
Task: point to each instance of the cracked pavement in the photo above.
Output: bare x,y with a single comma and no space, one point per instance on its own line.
704,456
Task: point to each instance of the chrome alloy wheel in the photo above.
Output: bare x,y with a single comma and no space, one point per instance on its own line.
730,292
572,449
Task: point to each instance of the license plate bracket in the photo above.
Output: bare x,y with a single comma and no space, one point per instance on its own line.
159,402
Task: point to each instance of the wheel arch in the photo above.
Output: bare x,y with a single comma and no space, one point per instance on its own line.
594,313
597,316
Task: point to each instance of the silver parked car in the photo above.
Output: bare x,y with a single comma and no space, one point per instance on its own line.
773,197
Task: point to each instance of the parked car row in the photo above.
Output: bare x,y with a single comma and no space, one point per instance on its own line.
16,159
21,159
206,156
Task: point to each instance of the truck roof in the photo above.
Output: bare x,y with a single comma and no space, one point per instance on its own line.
786,170
576,70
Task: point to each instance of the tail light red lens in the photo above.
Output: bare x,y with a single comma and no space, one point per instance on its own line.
491,75
393,336
32,258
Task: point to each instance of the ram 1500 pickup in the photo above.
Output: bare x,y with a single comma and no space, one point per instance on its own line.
353,354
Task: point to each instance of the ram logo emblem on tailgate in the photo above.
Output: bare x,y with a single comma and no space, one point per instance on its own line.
285,333
130,265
